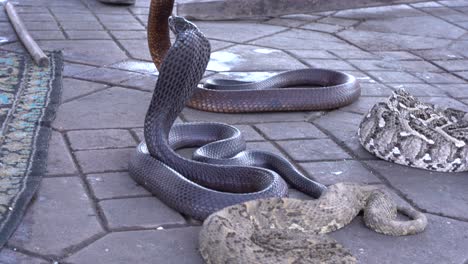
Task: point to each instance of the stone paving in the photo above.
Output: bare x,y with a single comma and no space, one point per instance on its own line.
88,210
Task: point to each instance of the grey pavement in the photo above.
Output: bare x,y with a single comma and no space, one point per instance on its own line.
88,210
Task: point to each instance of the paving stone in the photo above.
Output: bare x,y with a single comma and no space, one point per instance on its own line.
136,66
79,16
263,146
455,90
454,3
144,82
87,34
463,74
8,256
81,25
374,89
286,22
344,127
420,89
43,25
390,64
453,65
322,27
123,25
114,185
38,17
339,21
363,104
436,192
354,54
100,139
59,160
47,35
435,77
137,49
445,102
315,149
174,246
312,54
438,54
303,39
219,45
394,77
141,212
112,76
247,76
71,69
61,216
330,64
112,108
193,115
249,133
124,34
426,4
239,31
377,41
97,52
382,12
331,172
426,26
290,130
73,88
251,58
93,161
396,55
443,241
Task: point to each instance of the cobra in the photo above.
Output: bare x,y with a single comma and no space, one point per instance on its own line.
297,90
195,187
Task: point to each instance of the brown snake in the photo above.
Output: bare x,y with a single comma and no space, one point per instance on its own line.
307,89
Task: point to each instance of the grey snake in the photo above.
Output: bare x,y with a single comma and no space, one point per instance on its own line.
222,173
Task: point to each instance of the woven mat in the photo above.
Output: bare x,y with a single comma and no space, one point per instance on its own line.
29,96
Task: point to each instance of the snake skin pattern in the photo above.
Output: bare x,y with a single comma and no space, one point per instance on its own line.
282,230
406,131
298,90
197,188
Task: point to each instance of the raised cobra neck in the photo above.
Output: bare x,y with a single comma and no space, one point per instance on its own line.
159,41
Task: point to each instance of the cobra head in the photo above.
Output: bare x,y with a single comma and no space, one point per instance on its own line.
179,24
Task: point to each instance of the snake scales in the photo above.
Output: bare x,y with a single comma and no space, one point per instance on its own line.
409,132
283,231
197,188
331,90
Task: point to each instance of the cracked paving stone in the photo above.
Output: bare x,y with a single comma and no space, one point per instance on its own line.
92,161
59,160
344,127
303,39
141,212
315,149
251,58
112,108
377,41
239,31
114,185
100,139
73,88
8,256
443,241
97,52
436,192
295,130
173,246
331,172
61,216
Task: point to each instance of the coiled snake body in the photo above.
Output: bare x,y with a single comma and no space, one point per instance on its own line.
330,89
284,231
192,187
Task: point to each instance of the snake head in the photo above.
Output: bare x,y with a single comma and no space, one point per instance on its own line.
179,24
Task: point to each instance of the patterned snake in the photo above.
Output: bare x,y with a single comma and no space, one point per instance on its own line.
407,131
330,90
283,231
198,188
